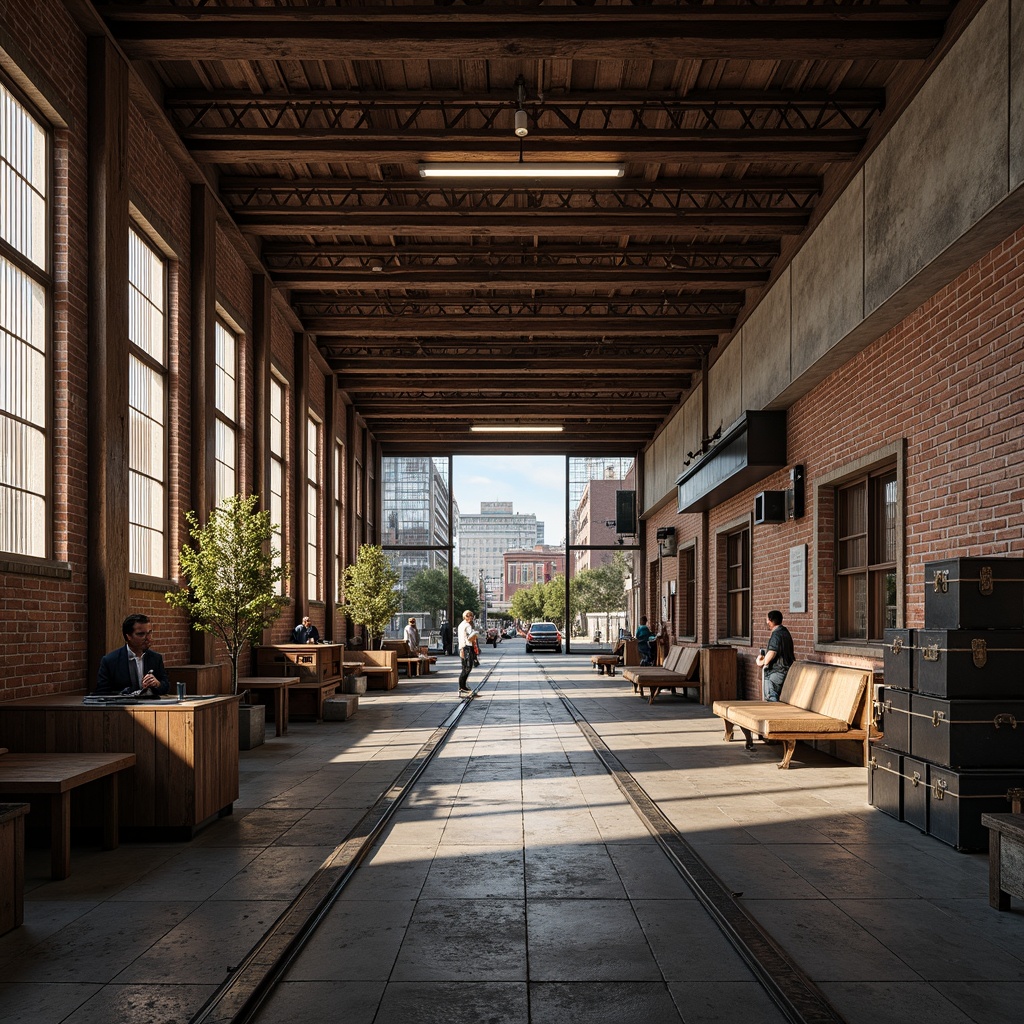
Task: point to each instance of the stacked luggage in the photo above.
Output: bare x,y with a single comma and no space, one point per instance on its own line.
952,710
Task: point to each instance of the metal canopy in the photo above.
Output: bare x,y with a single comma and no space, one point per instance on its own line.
442,304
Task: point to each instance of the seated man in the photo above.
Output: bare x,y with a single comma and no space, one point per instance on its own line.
305,632
644,638
133,667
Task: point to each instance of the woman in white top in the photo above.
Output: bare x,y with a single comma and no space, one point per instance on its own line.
467,633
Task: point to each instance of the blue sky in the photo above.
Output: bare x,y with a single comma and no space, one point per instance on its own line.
533,483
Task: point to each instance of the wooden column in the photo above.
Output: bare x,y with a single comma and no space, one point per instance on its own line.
204,321
300,412
330,498
352,433
262,294
108,349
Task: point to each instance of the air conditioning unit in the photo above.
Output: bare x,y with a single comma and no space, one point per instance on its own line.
770,507
667,541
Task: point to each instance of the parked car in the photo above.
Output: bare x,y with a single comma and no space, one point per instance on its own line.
543,636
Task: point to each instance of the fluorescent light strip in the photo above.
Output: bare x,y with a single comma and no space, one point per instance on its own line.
522,170
514,428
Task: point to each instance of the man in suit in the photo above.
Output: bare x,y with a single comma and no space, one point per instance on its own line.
305,632
134,666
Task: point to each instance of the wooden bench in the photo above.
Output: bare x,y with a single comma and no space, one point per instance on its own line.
415,663
379,667
55,776
818,702
603,662
678,672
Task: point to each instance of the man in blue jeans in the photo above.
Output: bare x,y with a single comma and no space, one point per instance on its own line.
777,656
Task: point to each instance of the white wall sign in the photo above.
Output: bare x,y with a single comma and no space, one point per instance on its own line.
798,578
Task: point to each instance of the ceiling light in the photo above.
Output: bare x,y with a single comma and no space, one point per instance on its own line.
516,428
521,127
522,170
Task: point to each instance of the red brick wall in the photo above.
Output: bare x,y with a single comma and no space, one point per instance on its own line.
947,381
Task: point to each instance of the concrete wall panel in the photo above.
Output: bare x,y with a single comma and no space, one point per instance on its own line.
1016,93
828,280
663,461
725,385
767,340
944,163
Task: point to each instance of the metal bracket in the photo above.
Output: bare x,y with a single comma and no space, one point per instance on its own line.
915,779
979,653
938,718
930,653
1005,719
939,789
985,584
941,581
897,644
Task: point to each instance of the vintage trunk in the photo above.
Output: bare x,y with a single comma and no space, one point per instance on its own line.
967,733
974,593
896,724
957,800
898,657
976,663
885,790
914,786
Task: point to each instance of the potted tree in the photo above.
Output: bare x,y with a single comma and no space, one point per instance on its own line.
230,583
370,594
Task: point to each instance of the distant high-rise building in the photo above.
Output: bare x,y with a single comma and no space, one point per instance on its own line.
484,539
415,510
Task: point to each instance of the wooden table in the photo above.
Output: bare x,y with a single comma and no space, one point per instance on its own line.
55,776
12,866
277,687
186,768
1005,858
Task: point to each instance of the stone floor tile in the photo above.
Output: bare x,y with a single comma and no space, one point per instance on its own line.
310,1002
602,1002
587,940
467,1002
464,940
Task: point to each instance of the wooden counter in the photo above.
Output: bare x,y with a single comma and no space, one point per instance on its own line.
186,755
310,662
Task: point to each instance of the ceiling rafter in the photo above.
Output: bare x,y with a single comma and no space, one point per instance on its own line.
785,31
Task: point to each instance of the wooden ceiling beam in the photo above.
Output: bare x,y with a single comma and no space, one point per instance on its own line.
780,32
519,279
463,326
286,147
587,223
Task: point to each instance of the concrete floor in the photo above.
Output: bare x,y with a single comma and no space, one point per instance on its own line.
516,883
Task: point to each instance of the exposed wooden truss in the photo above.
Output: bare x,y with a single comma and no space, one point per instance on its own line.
441,304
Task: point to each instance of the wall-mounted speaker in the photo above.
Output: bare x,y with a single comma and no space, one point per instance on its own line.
795,494
770,507
625,512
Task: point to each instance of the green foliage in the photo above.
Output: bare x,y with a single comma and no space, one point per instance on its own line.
230,575
464,594
428,591
370,593
528,603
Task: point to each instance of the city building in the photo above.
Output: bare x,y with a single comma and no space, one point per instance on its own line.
485,537
524,568
415,496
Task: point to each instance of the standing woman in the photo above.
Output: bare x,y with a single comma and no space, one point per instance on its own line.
467,642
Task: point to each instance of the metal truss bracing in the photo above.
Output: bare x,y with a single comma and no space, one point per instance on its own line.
599,305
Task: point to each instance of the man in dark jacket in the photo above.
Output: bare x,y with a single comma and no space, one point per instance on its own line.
776,658
134,667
